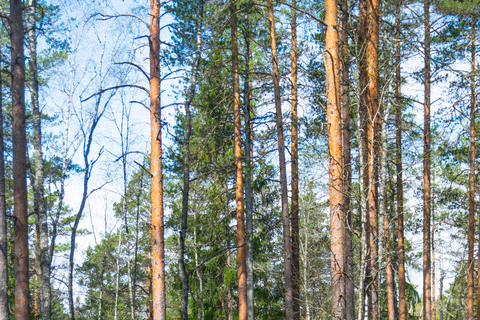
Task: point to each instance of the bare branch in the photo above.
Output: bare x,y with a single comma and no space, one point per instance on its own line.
114,88
108,17
136,66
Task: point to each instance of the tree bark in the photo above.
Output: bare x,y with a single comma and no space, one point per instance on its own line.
42,248
117,276
360,134
384,237
471,194
241,251
4,312
335,163
344,88
249,173
294,159
19,142
390,276
158,244
427,312
402,306
4,302
287,253
369,21
186,163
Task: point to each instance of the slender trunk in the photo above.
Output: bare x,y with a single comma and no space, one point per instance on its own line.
434,307
117,276
471,195
61,195
241,251
402,306
442,277
159,298
335,163
97,114
102,274
294,159
384,237
186,164
201,307
362,197
4,312
369,21
249,173
287,253
390,276
42,248
427,298
382,197
306,284
344,88
19,142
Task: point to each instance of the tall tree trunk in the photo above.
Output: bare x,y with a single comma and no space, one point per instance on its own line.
241,251
249,173
471,195
201,305
427,298
117,276
42,248
402,306
390,276
384,237
335,163
294,159
19,142
186,164
442,277
344,88
287,253
434,306
362,195
61,195
4,312
159,298
369,20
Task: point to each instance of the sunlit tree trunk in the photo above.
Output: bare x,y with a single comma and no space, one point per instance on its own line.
241,251
427,295
19,143
287,253
335,161
158,262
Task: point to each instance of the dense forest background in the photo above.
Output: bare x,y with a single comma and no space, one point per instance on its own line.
239,159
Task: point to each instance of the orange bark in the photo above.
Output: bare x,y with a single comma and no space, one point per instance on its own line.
158,245
335,160
241,251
